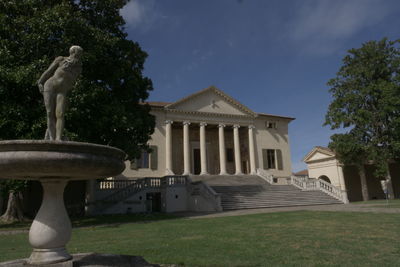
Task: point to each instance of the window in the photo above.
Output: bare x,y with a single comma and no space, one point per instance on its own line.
270,124
147,160
270,158
229,154
144,160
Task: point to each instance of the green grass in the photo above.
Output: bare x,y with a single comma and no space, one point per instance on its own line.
381,203
96,220
302,238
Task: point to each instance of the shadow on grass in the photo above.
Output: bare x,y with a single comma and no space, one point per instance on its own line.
104,220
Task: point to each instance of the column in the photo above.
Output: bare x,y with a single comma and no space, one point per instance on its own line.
186,148
236,143
203,151
168,147
222,150
251,151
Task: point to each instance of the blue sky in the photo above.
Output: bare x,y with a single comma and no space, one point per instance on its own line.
273,56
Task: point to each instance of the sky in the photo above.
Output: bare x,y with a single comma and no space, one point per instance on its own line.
273,56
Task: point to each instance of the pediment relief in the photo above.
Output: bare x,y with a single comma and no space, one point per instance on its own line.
211,100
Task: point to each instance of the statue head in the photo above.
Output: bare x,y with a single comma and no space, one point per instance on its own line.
75,51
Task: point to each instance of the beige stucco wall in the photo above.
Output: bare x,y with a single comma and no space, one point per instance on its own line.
329,167
273,139
157,139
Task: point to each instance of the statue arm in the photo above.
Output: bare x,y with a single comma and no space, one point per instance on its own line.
49,72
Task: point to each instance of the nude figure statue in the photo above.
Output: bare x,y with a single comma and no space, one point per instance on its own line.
54,84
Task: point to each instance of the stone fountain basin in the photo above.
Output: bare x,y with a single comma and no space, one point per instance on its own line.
44,159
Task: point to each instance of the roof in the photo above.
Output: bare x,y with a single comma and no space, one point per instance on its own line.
157,103
276,116
301,173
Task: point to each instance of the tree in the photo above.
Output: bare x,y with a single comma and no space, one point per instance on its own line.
105,104
349,151
366,100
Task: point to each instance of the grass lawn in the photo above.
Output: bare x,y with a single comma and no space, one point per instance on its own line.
301,238
381,203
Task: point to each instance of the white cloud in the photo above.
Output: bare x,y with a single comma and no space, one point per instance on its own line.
139,13
324,24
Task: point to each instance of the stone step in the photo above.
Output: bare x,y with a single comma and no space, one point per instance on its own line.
260,194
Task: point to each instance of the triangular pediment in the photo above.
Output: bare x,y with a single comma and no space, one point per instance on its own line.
211,100
319,153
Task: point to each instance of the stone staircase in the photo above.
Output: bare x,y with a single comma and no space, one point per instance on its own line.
250,191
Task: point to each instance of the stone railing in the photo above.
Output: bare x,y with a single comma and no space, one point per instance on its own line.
125,188
265,175
298,182
204,190
329,189
113,184
318,184
175,180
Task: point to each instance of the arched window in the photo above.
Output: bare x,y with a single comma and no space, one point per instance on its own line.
325,178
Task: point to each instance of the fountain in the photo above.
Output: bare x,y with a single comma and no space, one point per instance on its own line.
54,162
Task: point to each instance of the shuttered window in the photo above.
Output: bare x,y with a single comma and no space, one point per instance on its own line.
272,159
146,160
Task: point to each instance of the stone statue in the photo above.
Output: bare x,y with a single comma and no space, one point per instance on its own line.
54,84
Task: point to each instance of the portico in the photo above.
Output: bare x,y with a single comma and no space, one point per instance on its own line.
210,133
205,133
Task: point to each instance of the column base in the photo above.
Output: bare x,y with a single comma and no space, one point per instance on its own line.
224,173
186,173
204,173
239,173
48,256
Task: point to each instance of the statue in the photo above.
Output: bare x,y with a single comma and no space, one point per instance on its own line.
54,84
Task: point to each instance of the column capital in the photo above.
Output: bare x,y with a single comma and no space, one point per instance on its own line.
169,122
202,124
236,126
251,126
221,125
186,123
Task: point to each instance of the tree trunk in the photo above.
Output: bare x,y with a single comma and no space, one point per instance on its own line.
14,211
389,184
363,179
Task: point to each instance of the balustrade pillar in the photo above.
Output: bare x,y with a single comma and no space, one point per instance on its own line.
222,151
168,147
203,149
236,143
186,148
252,155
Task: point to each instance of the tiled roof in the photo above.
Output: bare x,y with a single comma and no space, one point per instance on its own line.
301,173
277,116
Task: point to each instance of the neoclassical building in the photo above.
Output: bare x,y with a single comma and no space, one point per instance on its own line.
209,132
322,164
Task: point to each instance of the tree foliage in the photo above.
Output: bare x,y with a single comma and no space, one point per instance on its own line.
105,104
366,100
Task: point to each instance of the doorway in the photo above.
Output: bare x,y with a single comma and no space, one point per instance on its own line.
196,161
153,202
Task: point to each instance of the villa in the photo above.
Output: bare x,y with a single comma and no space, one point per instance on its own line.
209,152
